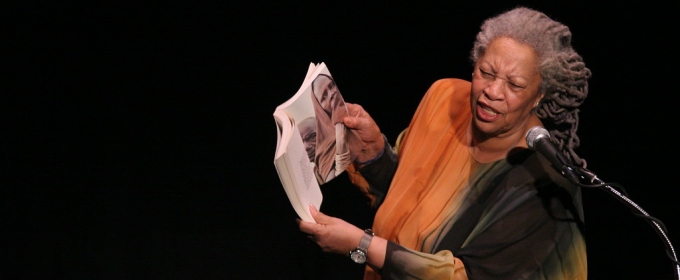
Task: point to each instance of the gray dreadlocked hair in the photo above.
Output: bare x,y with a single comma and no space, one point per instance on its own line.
564,76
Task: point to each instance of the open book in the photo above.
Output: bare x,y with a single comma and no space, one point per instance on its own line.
313,146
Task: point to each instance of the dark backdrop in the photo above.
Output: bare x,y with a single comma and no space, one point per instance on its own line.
138,139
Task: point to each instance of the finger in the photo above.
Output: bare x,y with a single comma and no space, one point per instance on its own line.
315,213
306,227
356,110
352,108
319,217
349,122
355,121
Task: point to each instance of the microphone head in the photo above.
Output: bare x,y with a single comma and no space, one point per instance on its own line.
536,133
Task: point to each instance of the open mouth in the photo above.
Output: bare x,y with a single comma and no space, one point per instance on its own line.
488,110
486,113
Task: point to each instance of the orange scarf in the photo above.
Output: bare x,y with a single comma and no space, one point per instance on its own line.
434,165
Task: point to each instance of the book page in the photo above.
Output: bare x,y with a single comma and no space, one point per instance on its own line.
295,170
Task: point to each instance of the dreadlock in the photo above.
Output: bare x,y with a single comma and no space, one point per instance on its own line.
564,76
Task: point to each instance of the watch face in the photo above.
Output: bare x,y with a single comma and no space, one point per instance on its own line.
358,256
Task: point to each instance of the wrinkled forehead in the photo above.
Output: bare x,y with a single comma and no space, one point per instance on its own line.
508,55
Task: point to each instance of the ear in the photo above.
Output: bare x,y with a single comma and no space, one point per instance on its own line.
538,99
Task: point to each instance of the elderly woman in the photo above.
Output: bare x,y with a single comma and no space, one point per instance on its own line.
463,197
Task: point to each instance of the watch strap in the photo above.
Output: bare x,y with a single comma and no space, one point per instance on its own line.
365,240
360,254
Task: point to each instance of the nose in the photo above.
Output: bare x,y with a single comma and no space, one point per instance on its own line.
494,90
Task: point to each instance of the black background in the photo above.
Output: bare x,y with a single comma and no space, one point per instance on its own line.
138,139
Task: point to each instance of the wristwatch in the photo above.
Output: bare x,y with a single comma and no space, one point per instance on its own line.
359,254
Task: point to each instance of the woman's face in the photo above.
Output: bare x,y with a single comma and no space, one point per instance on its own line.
505,85
326,91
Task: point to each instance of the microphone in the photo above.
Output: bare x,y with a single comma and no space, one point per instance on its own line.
538,139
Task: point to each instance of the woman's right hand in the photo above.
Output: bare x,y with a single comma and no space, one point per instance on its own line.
361,123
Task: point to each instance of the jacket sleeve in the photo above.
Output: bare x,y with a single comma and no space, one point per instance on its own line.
404,263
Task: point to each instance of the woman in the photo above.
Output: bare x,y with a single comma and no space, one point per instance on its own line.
465,198
332,154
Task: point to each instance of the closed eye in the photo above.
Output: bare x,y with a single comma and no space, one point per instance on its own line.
485,73
516,86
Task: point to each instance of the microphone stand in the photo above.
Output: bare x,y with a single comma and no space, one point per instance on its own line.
592,181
